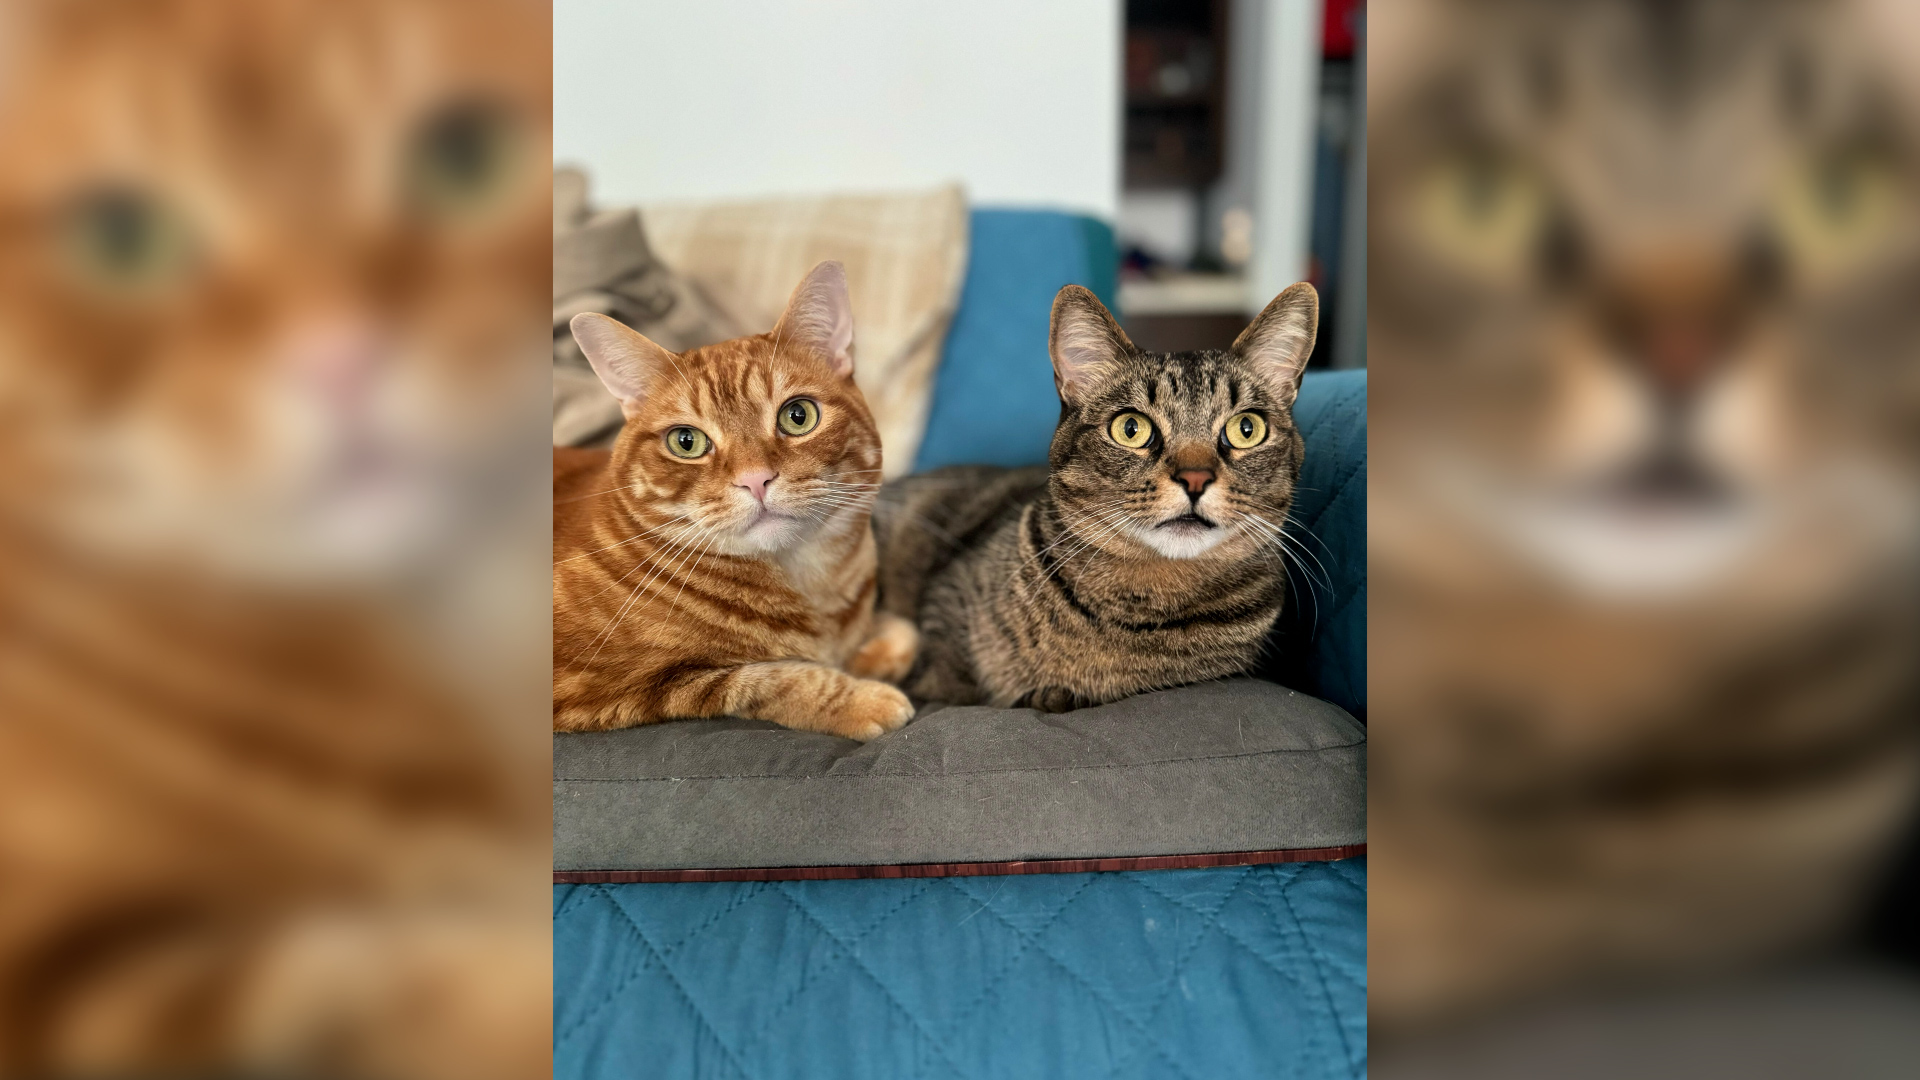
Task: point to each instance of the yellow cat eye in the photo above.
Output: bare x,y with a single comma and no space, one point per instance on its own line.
687,442
1131,430
460,160
126,241
1245,431
1838,208
799,416
1483,211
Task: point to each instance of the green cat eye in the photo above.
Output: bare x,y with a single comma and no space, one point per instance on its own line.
687,442
799,416
1131,430
127,241
1245,431
460,160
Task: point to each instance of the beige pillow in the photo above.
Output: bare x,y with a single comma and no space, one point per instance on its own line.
905,255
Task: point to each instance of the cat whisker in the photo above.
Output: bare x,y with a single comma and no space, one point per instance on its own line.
688,576
1098,516
1292,549
1271,546
836,501
1326,577
707,536
628,540
1106,522
1299,529
642,563
1087,543
596,495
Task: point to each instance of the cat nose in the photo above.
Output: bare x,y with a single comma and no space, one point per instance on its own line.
756,482
338,358
1677,315
1196,481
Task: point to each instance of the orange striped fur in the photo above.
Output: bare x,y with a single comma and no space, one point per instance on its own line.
680,592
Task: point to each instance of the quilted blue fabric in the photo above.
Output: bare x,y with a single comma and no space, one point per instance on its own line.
1197,974
1320,644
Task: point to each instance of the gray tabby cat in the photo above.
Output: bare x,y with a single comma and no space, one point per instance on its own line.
1147,556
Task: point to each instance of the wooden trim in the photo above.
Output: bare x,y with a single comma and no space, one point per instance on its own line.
965,869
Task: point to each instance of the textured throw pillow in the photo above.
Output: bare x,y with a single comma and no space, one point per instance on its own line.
905,257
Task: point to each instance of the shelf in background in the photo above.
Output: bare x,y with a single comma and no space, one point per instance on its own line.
1186,294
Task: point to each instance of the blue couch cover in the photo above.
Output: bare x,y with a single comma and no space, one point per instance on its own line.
1254,971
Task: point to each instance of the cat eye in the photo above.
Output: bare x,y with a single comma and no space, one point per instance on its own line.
688,442
1245,431
1131,430
1837,208
127,241
460,161
1482,210
799,416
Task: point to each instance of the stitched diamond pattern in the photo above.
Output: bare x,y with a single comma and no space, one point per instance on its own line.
1197,974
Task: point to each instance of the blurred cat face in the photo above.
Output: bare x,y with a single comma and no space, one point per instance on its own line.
1641,286
271,272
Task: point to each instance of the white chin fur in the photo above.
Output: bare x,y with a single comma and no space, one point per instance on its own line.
1181,542
769,533
1609,555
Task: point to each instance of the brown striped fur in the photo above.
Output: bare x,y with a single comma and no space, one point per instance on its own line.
676,593
1079,584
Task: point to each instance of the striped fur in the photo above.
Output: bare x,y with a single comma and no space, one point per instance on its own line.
674,593
1079,584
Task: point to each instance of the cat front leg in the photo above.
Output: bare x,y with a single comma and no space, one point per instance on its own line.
800,695
1054,699
889,651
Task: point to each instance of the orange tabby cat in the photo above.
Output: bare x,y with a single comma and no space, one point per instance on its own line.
718,561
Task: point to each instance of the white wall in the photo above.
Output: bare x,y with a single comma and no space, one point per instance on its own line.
1163,222
699,99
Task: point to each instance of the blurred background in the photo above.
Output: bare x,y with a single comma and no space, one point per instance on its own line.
273,538
1185,160
1643,537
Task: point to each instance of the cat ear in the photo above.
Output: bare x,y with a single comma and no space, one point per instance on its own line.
1280,339
625,360
820,314
1083,341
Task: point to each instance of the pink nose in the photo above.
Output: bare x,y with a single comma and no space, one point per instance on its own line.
756,482
338,359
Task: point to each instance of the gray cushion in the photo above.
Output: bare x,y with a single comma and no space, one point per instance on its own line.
1238,765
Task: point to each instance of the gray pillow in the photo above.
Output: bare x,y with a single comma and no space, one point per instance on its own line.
1230,766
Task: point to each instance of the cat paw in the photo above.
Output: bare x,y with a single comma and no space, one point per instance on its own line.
872,710
1054,699
889,653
